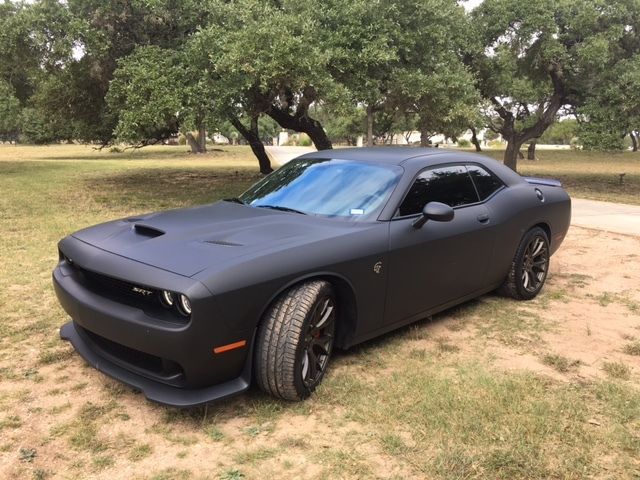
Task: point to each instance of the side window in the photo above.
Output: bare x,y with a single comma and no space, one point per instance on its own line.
451,185
485,182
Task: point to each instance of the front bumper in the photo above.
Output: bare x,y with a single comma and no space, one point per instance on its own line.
172,363
153,390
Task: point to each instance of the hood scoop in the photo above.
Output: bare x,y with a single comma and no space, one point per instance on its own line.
147,231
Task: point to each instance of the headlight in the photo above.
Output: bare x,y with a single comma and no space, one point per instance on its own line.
184,305
167,299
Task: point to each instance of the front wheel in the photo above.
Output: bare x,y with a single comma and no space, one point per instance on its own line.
295,340
529,268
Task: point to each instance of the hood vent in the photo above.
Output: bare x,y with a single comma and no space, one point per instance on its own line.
147,231
222,242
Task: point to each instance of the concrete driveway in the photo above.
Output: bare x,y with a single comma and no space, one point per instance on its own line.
611,217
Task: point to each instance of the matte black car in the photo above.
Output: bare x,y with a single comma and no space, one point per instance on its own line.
332,249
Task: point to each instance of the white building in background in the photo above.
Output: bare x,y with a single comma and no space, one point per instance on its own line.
414,138
283,138
219,139
405,138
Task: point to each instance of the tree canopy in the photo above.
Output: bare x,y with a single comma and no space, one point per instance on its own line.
140,71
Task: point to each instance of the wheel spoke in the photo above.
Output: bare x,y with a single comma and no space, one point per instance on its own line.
313,365
535,261
323,345
538,269
325,314
318,341
537,247
305,366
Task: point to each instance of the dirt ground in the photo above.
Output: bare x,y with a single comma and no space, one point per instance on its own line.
61,419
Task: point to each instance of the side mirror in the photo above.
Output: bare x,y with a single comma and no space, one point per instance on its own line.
436,211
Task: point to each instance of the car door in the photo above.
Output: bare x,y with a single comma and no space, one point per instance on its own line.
442,261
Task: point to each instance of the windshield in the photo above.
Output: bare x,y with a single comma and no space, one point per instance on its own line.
334,188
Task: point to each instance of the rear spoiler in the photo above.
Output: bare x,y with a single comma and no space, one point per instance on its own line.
550,182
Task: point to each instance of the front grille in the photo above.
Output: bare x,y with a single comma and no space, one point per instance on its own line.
117,287
142,363
139,296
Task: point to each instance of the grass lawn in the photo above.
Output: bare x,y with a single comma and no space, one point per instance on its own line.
486,390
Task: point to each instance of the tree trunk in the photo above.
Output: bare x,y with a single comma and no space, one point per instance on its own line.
202,138
304,124
634,140
369,126
424,137
192,142
252,136
474,139
531,150
512,153
514,138
316,133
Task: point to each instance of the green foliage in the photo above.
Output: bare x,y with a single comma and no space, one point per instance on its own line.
560,133
9,113
428,79
268,129
600,135
139,71
533,58
343,124
147,94
35,127
491,135
612,108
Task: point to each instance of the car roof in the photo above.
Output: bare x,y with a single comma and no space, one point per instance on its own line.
389,155
414,159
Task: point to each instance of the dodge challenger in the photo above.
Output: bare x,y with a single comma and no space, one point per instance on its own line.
334,248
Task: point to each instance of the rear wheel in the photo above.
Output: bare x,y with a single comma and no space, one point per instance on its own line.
529,268
295,341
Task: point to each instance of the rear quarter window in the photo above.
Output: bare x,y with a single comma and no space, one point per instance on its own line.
486,183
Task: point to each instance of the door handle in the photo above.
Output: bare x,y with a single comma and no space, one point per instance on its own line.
483,217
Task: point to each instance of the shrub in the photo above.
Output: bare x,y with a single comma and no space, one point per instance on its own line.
304,140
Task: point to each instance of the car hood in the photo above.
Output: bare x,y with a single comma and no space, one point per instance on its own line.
189,240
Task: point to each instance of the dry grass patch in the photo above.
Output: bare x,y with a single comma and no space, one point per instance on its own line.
632,348
559,362
618,370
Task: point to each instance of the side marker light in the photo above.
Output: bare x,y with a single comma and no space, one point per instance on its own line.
230,346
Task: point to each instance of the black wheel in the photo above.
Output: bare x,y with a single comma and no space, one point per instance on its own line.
295,340
529,268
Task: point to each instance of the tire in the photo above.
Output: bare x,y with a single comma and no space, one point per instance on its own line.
295,340
529,268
